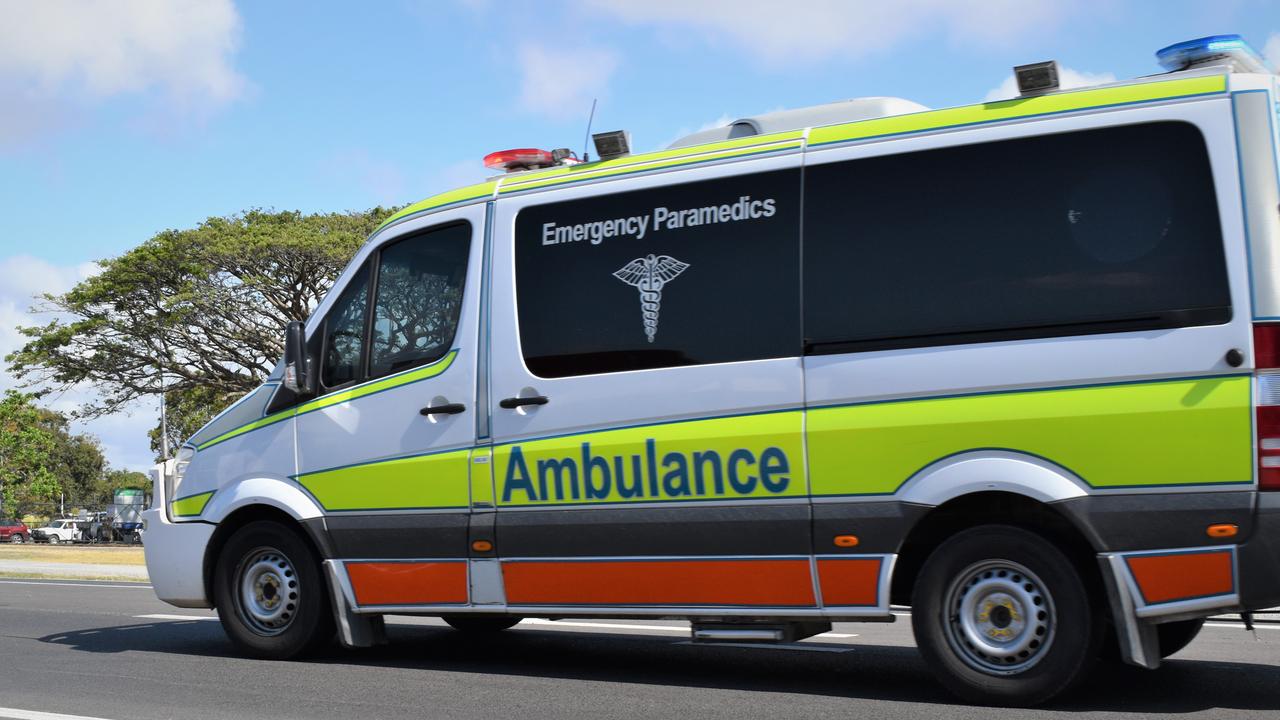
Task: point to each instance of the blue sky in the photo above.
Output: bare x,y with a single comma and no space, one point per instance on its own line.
121,119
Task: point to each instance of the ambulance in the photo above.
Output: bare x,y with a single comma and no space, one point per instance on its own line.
1015,365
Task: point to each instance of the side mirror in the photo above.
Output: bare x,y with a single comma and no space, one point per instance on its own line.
297,372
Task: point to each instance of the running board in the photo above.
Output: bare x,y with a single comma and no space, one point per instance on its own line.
757,632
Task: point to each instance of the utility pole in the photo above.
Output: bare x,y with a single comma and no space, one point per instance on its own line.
164,424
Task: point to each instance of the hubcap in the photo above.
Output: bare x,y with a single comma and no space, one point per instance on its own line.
269,591
1000,617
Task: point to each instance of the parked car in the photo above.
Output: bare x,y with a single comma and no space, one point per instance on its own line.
14,531
57,531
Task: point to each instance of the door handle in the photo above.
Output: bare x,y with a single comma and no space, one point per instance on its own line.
512,403
446,409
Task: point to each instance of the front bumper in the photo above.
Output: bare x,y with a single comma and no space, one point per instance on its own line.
175,558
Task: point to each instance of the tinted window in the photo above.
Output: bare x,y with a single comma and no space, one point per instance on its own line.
1098,231
703,272
418,298
344,333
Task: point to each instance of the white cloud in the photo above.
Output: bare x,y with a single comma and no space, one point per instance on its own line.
809,30
560,82
22,277
1271,51
57,56
1067,78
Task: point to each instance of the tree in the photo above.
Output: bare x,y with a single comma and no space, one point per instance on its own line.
78,462
27,455
197,313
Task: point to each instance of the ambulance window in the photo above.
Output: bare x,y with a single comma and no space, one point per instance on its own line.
344,333
688,274
417,298
1096,231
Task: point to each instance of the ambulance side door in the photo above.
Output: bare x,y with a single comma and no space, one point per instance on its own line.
645,393
385,446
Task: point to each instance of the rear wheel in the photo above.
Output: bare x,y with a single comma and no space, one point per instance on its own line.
1175,636
270,594
480,624
1003,617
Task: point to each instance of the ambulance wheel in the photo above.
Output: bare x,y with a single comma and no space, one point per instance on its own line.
1175,636
270,594
1003,617
480,624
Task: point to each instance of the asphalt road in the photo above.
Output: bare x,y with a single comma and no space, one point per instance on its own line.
89,649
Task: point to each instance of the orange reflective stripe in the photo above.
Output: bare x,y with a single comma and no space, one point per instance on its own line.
849,581
767,583
1182,576
409,583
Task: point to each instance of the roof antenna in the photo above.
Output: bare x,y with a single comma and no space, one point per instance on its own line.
586,157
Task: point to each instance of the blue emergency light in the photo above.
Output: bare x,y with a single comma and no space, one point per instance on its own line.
1212,50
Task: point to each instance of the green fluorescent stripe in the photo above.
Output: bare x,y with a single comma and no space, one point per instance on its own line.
654,161
1018,108
1184,432
463,194
379,385
268,420
425,481
376,386
192,505
846,132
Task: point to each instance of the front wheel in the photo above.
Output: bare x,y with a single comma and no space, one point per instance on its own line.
270,594
480,624
18,538
1003,617
54,539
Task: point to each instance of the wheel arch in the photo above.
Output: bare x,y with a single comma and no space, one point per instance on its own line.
311,531
989,507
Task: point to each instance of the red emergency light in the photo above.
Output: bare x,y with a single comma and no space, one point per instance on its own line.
519,159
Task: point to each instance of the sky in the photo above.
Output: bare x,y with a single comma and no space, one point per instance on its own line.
123,118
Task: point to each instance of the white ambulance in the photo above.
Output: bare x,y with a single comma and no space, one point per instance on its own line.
1012,364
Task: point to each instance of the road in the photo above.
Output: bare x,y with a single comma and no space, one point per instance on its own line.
111,650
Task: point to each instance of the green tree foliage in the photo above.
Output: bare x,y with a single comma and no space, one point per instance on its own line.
197,313
27,455
77,463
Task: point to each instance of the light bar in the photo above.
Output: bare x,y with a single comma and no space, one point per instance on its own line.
1212,50
518,159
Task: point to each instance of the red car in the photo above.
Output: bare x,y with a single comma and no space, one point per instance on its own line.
14,531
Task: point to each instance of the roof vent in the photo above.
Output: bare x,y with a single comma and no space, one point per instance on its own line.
782,120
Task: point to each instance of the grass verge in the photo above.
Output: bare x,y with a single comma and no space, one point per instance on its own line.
94,555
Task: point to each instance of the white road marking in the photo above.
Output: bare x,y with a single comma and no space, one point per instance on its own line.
773,646
73,584
607,626
1240,626
163,616
16,714
619,626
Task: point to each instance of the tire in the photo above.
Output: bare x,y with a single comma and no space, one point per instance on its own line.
1175,636
17,538
971,614
54,539
271,597
480,624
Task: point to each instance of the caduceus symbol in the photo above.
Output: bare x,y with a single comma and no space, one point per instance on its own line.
648,275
